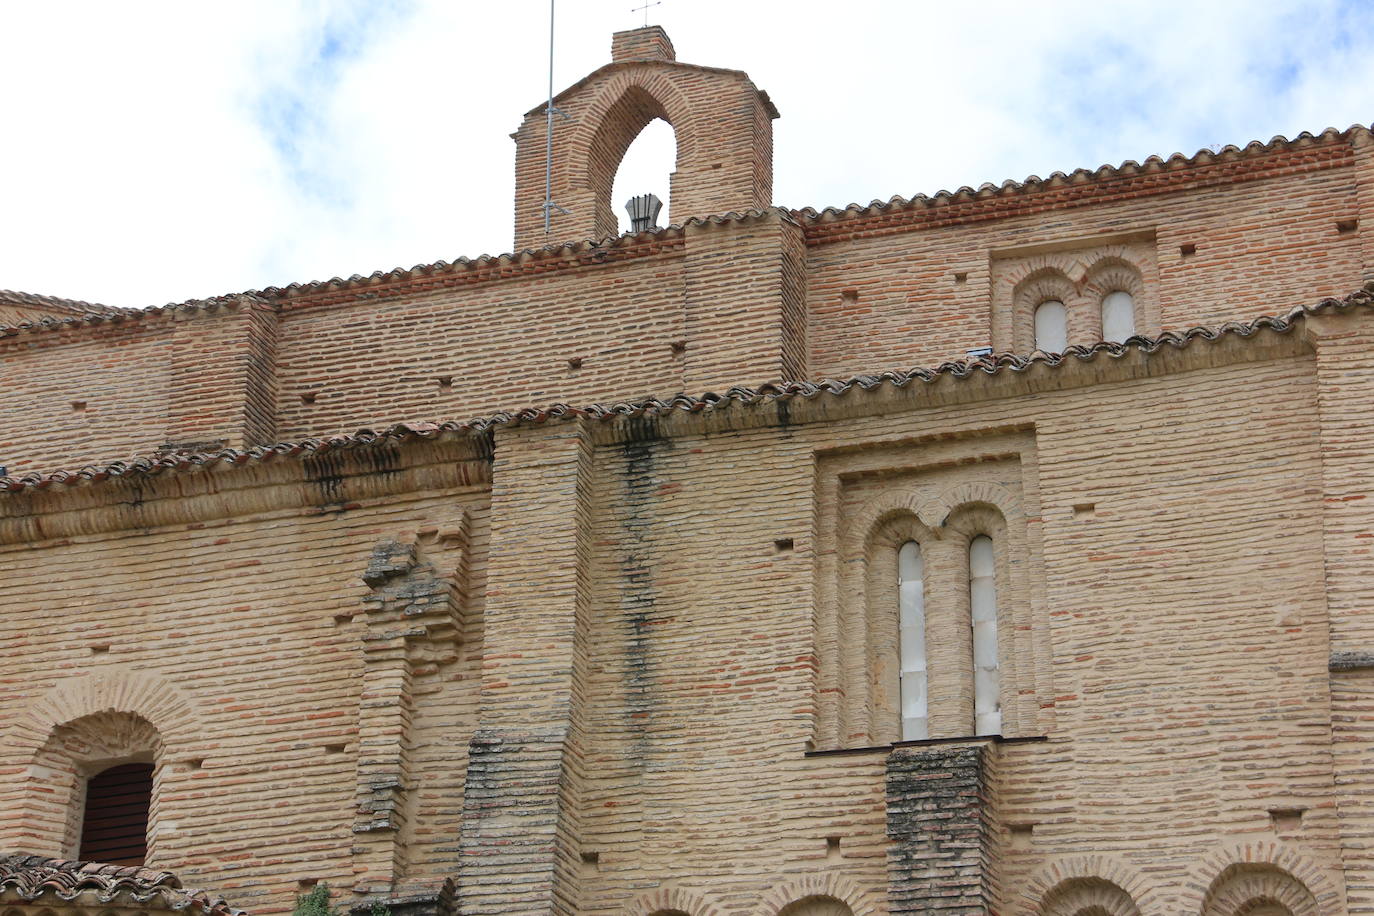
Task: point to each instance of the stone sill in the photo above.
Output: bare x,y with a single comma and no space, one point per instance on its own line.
927,742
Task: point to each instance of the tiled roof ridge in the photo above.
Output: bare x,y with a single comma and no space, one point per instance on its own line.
56,303
772,391
129,314
1080,175
378,277
31,877
547,251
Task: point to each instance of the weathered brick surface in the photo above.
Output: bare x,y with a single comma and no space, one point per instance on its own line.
938,821
723,125
643,664
242,639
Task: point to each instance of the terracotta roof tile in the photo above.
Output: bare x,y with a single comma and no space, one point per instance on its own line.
81,311
56,304
378,277
774,391
36,879
1080,176
120,315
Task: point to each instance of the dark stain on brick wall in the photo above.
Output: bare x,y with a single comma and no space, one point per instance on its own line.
936,819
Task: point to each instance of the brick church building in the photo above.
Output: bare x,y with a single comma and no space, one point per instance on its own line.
1008,551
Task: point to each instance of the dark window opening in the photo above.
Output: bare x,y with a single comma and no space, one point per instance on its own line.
114,828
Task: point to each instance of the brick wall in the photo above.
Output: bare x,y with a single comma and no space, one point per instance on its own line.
893,296
625,708
241,638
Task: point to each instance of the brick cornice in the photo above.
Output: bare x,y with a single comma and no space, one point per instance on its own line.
314,483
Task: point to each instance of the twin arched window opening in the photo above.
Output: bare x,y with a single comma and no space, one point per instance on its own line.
1052,321
913,671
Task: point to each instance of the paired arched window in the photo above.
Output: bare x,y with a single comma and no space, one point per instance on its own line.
114,826
1051,326
1052,321
1118,316
983,663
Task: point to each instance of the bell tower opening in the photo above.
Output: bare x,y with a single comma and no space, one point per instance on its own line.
715,142
647,168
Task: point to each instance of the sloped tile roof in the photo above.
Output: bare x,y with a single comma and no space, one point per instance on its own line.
595,248
73,307
585,250
1129,168
991,365
40,880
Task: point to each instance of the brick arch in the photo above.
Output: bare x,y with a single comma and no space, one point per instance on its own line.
936,512
627,103
879,511
1269,869
723,128
826,884
1083,872
79,725
1115,270
142,693
668,900
1049,281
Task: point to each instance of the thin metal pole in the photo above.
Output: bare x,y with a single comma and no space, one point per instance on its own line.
548,134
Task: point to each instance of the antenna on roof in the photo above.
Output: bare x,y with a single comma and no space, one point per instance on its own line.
548,206
645,8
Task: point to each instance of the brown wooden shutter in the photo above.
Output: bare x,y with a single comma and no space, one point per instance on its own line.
114,829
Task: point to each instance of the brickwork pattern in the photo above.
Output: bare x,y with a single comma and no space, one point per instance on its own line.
630,660
937,820
724,142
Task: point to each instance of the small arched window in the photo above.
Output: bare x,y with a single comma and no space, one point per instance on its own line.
1051,326
114,828
982,589
911,605
1118,316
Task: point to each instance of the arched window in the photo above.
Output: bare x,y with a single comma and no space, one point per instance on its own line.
911,604
1051,326
982,590
1118,316
114,827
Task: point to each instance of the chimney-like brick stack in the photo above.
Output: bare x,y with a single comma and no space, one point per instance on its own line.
648,43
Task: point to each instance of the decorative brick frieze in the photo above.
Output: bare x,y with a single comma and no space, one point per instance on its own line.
939,827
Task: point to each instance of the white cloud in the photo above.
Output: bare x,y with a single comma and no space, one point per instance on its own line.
165,150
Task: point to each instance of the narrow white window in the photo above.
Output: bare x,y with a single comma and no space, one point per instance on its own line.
1051,327
982,589
911,603
1118,316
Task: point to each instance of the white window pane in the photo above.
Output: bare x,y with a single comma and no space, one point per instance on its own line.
915,729
912,638
910,567
982,560
987,687
913,649
988,723
914,697
985,690
1118,316
1051,327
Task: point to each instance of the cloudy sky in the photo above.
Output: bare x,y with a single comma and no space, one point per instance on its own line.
161,151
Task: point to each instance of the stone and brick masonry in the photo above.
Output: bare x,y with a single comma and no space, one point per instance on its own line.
613,648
